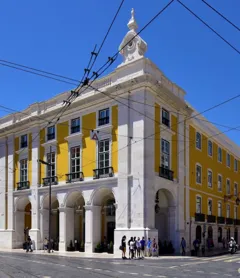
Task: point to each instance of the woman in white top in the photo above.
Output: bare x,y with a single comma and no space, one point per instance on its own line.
131,247
138,247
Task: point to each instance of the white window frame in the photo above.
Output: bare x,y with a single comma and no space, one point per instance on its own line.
219,175
20,137
46,133
235,165
219,148
72,145
235,186
25,169
107,106
46,159
228,211
198,197
105,137
210,155
198,165
228,156
170,115
209,200
219,203
208,172
200,141
70,125
227,186
161,153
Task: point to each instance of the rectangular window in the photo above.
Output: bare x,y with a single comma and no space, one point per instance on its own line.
165,117
75,162
24,141
219,154
104,156
23,170
228,187
75,125
210,178
198,141
228,211
228,160
198,204
51,133
219,209
103,117
235,189
51,159
235,165
165,155
235,212
210,148
198,174
219,183
209,207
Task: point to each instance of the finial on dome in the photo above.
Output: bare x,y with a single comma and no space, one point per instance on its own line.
132,24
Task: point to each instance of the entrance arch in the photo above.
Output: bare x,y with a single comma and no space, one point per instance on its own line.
210,232
23,220
165,214
76,202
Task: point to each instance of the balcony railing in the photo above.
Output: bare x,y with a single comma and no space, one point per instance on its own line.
50,136
237,222
166,173
165,121
53,180
103,121
73,177
229,221
199,217
211,218
221,220
23,185
103,173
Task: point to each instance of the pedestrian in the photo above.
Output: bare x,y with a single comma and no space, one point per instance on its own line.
29,244
154,248
183,246
135,247
129,253
142,247
196,246
149,246
138,248
45,244
123,247
131,247
224,242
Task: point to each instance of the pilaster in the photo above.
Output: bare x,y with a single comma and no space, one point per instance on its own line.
10,177
3,181
66,228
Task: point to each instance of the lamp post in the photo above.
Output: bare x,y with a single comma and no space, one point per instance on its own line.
50,196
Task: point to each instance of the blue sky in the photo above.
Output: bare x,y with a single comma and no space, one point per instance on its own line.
59,35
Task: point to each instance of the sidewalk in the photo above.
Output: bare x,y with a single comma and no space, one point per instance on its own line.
211,252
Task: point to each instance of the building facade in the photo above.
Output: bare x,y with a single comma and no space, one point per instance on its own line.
133,161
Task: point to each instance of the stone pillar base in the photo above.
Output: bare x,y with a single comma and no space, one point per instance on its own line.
89,248
36,239
62,247
8,239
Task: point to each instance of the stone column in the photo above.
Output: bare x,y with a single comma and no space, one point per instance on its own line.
35,229
92,227
3,174
19,228
66,228
172,227
44,226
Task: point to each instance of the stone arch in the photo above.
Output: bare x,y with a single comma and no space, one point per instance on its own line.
21,202
44,203
72,197
100,194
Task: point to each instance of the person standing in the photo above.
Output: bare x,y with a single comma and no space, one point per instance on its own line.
142,242
131,247
138,248
123,246
183,246
29,244
149,246
196,246
154,248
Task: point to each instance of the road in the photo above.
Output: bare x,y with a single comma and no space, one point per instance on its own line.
28,265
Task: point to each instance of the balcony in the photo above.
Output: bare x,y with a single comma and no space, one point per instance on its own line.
103,173
23,185
165,121
74,177
103,121
229,221
237,222
166,173
211,218
199,217
221,220
53,180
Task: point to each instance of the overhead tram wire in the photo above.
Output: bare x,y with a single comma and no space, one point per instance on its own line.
208,26
224,17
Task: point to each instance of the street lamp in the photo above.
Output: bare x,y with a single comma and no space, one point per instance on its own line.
50,197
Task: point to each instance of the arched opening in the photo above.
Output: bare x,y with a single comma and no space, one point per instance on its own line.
228,234
23,220
210,237
210,232
76,231
199,233
165,213
105,199
219,234
54,220
236,234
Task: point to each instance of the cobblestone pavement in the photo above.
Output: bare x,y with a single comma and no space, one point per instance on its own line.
19,265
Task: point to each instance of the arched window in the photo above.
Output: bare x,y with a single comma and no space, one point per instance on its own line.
210,232
199,233
228,234
219,234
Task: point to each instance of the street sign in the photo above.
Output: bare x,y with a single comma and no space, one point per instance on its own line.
94,135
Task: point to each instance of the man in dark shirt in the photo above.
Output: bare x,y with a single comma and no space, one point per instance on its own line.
142,242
